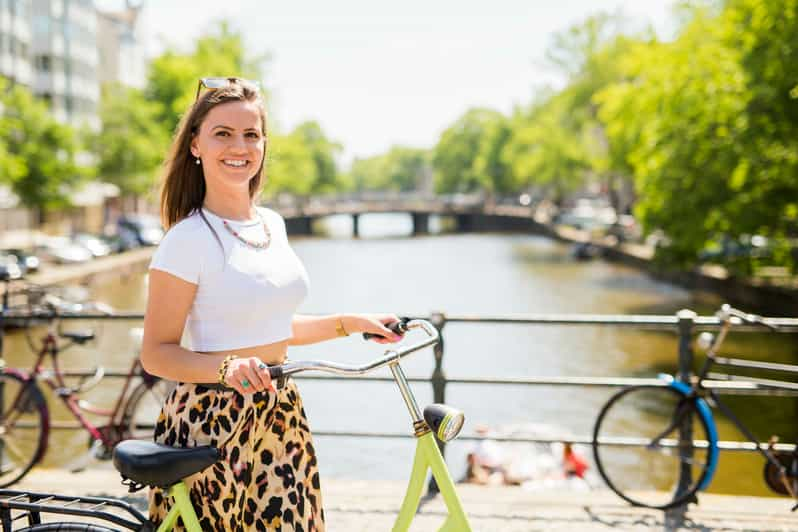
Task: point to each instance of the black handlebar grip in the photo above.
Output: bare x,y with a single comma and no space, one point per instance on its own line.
397,327
276,372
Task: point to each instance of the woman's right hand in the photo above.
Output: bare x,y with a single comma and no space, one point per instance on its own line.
248,375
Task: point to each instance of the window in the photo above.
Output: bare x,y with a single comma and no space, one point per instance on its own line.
43,63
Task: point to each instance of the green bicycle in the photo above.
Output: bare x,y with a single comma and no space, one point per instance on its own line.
143,463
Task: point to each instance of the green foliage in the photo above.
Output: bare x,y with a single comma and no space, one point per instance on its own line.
290,166
130,144
173,77
544,152
38,152
401,169
323,152
710,128
303,162
454,157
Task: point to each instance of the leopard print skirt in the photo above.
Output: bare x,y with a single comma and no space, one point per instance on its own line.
267,478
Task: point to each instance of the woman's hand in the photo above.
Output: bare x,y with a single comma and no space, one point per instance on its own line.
248,375
372,323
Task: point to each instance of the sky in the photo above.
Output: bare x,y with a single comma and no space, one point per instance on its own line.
378,73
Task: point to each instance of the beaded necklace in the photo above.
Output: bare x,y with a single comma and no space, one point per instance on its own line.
246,241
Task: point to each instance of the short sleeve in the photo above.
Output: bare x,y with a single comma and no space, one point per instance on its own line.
177,254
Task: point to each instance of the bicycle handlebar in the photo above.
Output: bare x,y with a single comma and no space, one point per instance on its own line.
391,356
727,312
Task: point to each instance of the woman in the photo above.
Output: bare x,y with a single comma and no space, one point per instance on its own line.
226,282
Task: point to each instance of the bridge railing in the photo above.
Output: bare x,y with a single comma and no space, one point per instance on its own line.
686,323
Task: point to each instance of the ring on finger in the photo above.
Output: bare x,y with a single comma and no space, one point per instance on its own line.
245,383
261,365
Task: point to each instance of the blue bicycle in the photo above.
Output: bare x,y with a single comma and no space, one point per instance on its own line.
656,445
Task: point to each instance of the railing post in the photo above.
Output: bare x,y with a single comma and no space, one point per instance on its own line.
438,319
675,516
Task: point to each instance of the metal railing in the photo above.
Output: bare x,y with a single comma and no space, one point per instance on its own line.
685,323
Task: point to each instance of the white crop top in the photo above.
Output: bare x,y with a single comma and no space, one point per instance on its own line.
246,296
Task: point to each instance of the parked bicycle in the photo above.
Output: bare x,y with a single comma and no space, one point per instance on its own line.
662,459
144,463
24,413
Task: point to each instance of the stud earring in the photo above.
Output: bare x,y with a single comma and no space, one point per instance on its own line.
197,161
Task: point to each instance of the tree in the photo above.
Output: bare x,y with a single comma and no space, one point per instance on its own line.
290,166
43,152
710,120
490,161
544,152
456,152
130,144
401,169
173,76
323,152
303,162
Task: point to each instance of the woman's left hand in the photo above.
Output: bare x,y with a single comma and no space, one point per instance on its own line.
373,323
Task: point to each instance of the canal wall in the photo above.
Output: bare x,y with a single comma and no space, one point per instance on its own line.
750,294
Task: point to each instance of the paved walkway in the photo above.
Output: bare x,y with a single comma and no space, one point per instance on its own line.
369,506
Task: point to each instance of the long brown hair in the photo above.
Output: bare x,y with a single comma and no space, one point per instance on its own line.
183,189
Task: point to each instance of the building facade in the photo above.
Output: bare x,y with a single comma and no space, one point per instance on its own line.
63,51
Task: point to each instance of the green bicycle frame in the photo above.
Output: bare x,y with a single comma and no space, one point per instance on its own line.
428,457
182,508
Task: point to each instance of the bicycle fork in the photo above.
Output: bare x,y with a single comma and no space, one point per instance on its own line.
428,456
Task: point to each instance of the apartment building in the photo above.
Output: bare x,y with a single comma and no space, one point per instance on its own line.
15,41
63,51
119,42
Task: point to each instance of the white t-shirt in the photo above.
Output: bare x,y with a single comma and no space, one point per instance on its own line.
245,296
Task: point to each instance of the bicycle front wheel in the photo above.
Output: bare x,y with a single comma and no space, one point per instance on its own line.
23,427
651,446
144,406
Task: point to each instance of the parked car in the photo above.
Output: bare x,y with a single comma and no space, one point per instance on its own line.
27,260
62,250
9,267
95,244
727,249
139,229
587,215
626,229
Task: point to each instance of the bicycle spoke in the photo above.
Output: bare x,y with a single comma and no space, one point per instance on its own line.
648,469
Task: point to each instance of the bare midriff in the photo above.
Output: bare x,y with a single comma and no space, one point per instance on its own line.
271,354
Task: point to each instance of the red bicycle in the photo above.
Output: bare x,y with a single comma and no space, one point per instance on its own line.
24,413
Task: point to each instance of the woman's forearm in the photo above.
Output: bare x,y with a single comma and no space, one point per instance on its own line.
314,329
172,362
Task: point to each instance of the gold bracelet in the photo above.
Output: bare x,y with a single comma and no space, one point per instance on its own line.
223,369
339,328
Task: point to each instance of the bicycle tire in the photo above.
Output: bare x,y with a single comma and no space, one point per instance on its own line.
68,527
143,407
650,475
23,409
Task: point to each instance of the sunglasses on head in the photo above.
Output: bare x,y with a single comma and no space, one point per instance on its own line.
212,84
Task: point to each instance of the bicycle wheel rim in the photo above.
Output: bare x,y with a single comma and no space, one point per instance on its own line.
144,407
660,474
23,422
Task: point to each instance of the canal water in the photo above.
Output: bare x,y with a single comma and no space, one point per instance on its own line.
386,270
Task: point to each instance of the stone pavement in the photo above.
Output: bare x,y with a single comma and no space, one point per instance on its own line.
371,506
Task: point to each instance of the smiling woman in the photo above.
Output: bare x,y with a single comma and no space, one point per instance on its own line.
223,288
